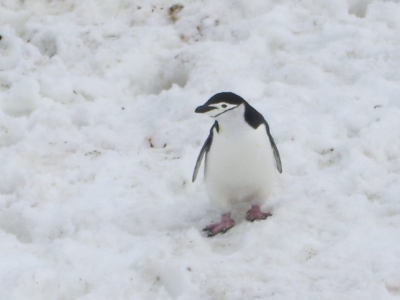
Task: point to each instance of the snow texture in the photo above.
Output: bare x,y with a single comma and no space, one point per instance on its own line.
98,140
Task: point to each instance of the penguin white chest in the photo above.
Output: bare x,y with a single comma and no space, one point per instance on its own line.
239,165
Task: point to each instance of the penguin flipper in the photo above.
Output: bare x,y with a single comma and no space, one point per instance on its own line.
203,151
276,155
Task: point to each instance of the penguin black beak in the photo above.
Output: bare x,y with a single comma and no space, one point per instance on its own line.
203,109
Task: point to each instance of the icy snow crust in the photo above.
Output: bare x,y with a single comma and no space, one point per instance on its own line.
98,140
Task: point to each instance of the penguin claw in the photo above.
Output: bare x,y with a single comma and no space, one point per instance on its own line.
255,213
221,227
212,233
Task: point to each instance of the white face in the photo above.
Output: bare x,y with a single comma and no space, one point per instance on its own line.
221,108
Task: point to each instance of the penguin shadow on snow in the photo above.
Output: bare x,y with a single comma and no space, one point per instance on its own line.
240,236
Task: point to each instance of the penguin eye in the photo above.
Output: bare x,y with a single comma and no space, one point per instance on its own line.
224,106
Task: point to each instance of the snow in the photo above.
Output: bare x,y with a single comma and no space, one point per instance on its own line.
98,141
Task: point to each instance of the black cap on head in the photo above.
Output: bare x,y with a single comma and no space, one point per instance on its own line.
226,97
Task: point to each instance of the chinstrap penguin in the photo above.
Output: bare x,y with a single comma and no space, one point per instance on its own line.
240,159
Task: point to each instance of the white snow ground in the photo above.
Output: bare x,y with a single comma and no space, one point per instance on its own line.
98,140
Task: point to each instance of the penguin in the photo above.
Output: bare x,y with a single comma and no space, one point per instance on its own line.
240,159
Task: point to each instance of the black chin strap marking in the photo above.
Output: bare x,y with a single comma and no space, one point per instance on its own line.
224,111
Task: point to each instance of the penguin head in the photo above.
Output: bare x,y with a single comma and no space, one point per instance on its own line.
220,104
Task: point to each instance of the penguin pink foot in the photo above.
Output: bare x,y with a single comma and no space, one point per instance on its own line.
226,223
255,213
